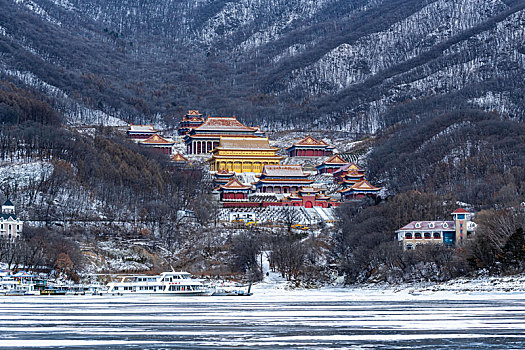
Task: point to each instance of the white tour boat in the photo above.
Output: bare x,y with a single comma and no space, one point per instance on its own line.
179,283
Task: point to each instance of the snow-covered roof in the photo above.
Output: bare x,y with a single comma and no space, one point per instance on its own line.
141,128
223,124
283,170
246,143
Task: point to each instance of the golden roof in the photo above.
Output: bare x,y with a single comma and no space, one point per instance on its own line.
157,139
234,184
178,158
335,159
362,185
310,141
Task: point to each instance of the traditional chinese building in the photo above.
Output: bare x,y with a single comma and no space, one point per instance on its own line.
310,197
179,159
242,155
331,165
259,132
351,178
282,179
234,190
10,225
222,177
353,171
190,121
159,143
450,233
359,190
140,132
310,147
203,139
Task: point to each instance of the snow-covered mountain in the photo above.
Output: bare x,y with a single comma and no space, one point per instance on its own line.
355,65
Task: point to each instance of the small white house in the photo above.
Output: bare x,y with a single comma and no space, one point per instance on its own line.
10,225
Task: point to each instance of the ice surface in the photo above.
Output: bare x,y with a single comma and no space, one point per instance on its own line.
274,317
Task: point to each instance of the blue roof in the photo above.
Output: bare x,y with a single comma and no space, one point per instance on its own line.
8,203
7,216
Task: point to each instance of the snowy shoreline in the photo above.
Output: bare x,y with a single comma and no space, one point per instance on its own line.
507,287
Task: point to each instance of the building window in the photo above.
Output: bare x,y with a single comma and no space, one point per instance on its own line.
427,235
409,247
445,225
417,235
418,224
408,235
431,225
437,235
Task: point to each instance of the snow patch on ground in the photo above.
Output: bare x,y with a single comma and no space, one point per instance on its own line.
23,174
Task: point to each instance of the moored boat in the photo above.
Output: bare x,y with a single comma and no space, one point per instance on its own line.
178,283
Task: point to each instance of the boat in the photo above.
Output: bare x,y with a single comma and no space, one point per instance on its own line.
21,283
233,290
178,283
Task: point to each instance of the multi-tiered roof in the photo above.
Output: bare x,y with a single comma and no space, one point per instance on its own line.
331,165
310,147
191,120
243,154
206,137
282,178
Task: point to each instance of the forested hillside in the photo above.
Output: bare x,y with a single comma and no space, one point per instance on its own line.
427,95
340,63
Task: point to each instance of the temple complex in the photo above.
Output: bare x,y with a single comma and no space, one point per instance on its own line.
204,138
159,143
140,132
190,121
331,165
310,147
241,154
282,179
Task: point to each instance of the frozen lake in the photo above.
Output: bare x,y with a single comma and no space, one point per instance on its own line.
270,319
